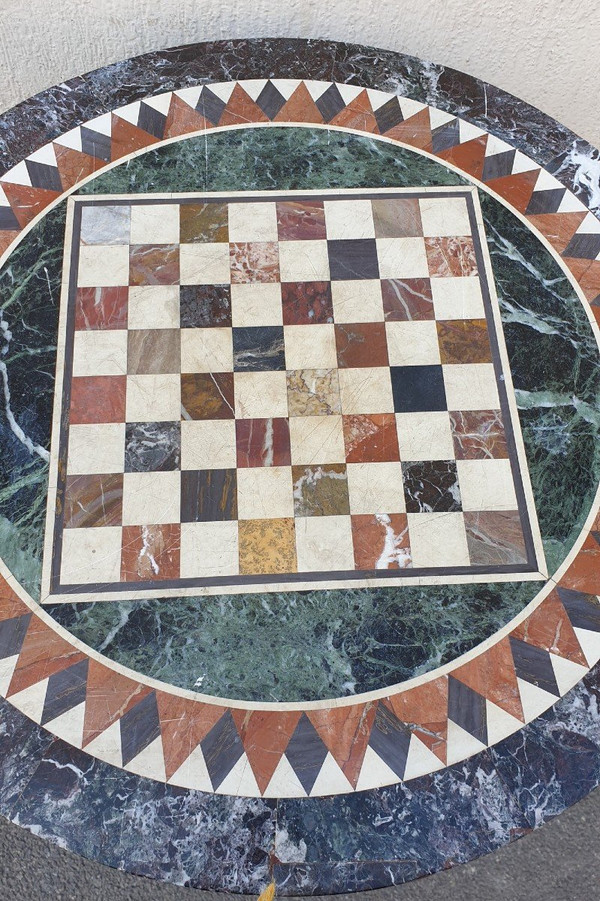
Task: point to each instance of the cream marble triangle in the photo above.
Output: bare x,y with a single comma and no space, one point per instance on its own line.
589,226
102,124
150,762
131,112
375,772
331,780
547,182
570,204
590,644
420,760
18,175
522,163
240,781
69,725
193,772
107,745
461,744
496,145
45,154
316,89
377,98
534,700
191,96
30,701
350,92
566,672
70,139
161,102
439,117
284,782
468,132
223,89
286,86
253,87
410,107
7,668
500,724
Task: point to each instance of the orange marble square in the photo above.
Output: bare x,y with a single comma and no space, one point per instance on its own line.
361,344
93,500
267,546
154,264
464,341
371,438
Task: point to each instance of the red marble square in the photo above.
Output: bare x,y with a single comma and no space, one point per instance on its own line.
478,435
97,398
256,261
371,438
381,541
154,264
299,220
93,500
407,299
262,442
150,553
101,308
306,303
450,257
464,341
361,344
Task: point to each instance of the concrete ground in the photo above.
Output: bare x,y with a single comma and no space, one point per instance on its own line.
560,862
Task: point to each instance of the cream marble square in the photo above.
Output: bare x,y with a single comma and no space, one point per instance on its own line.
249,222
425,436
413,343
349,219
310,346
486,485
155,223
375,488
153,306
471,386
103,265
438,540
153,398
324,543
96,448
265,492
204,264
260,395
99,352
402,258
91,555
209,549
256,304
366,390
151,498
206,350
208,444
357,300
317,439
457,298
303,261
444,216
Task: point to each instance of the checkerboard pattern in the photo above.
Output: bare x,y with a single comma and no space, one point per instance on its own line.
276,387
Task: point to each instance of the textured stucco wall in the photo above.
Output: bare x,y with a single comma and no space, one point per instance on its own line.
545,51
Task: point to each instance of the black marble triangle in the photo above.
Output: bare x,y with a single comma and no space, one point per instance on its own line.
467,708
222,748
533,665
139,727
545,201
445,137
586,247
12,634
390,739
43,176
270,100
498,165
389,115
582,609
306,753
330,103
95,144
8,220
210,106
65,690
151,120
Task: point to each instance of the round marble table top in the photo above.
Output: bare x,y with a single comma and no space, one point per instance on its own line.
299,526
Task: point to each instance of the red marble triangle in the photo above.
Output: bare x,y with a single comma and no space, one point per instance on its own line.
127,138
468,157
492,674
6,239
265,735
74,166
183,723
516,189
558,228
10,604
587,273
26,202
241,109
415,131
345,732
358,115
549,627
584,573
109,696
183,120
43,653
299,108
425,709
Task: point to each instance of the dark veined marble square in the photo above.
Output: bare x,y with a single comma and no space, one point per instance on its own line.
306,303
152,446
431,486
418,388
353,258
208,495
258,349
407,299
205,306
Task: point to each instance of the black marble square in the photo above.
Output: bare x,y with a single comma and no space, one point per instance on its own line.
418,389
208,495
152,446
258,349
353,258
205,306
431,486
